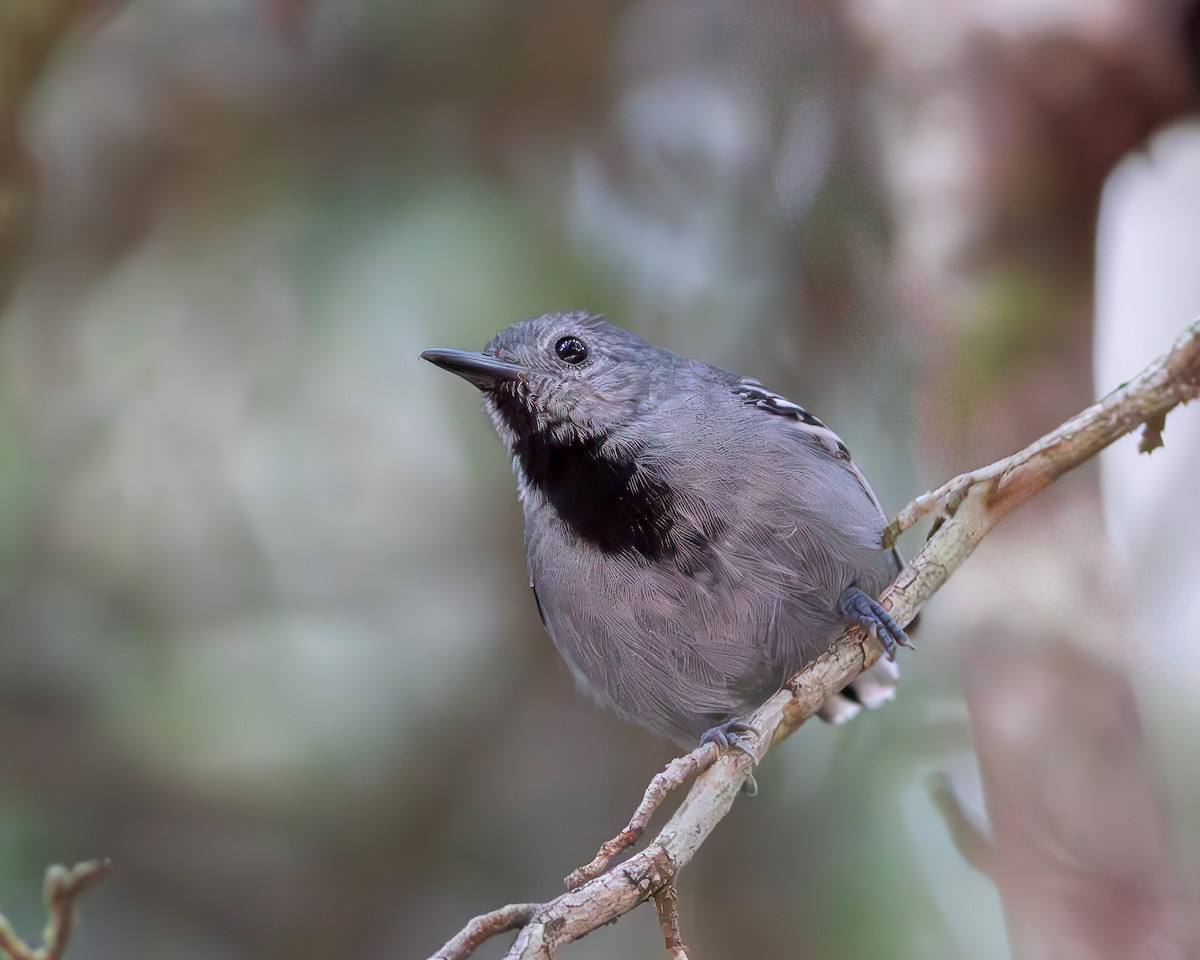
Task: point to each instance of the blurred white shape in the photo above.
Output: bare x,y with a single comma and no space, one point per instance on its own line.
931,35
679,205
805,152
933,167
701,123
1147,290
691,143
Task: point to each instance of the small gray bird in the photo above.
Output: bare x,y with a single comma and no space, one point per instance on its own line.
693,538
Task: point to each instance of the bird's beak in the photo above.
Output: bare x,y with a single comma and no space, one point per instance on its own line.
485,371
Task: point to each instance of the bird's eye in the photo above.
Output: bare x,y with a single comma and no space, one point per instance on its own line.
571,350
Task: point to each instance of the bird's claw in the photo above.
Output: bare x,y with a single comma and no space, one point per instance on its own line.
731,735
857,607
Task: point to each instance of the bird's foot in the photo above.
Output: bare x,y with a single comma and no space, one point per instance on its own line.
857,607
731,735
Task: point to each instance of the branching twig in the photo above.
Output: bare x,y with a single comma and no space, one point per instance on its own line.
1170,380
973,504
60,889
676,774
484,927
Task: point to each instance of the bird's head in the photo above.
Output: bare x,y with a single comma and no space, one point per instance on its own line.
563,378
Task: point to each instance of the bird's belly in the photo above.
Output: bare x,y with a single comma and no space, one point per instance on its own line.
677,654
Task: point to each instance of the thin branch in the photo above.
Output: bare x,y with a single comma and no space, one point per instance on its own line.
666,904
972,505
484,927
676,774
1170,380
59,890
969,836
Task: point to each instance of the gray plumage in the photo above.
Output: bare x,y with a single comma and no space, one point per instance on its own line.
693,538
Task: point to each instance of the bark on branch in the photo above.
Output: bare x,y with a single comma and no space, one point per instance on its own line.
970,505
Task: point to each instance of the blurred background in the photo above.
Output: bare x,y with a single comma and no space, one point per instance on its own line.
266,637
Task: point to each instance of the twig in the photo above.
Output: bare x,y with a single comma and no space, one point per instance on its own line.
676,774
1170,380
484,927
59,890
666,904
974,502
968,835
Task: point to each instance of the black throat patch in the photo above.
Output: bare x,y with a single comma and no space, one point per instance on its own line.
610,501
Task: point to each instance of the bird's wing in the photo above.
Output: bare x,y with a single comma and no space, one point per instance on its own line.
821,438
878,684
755,394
